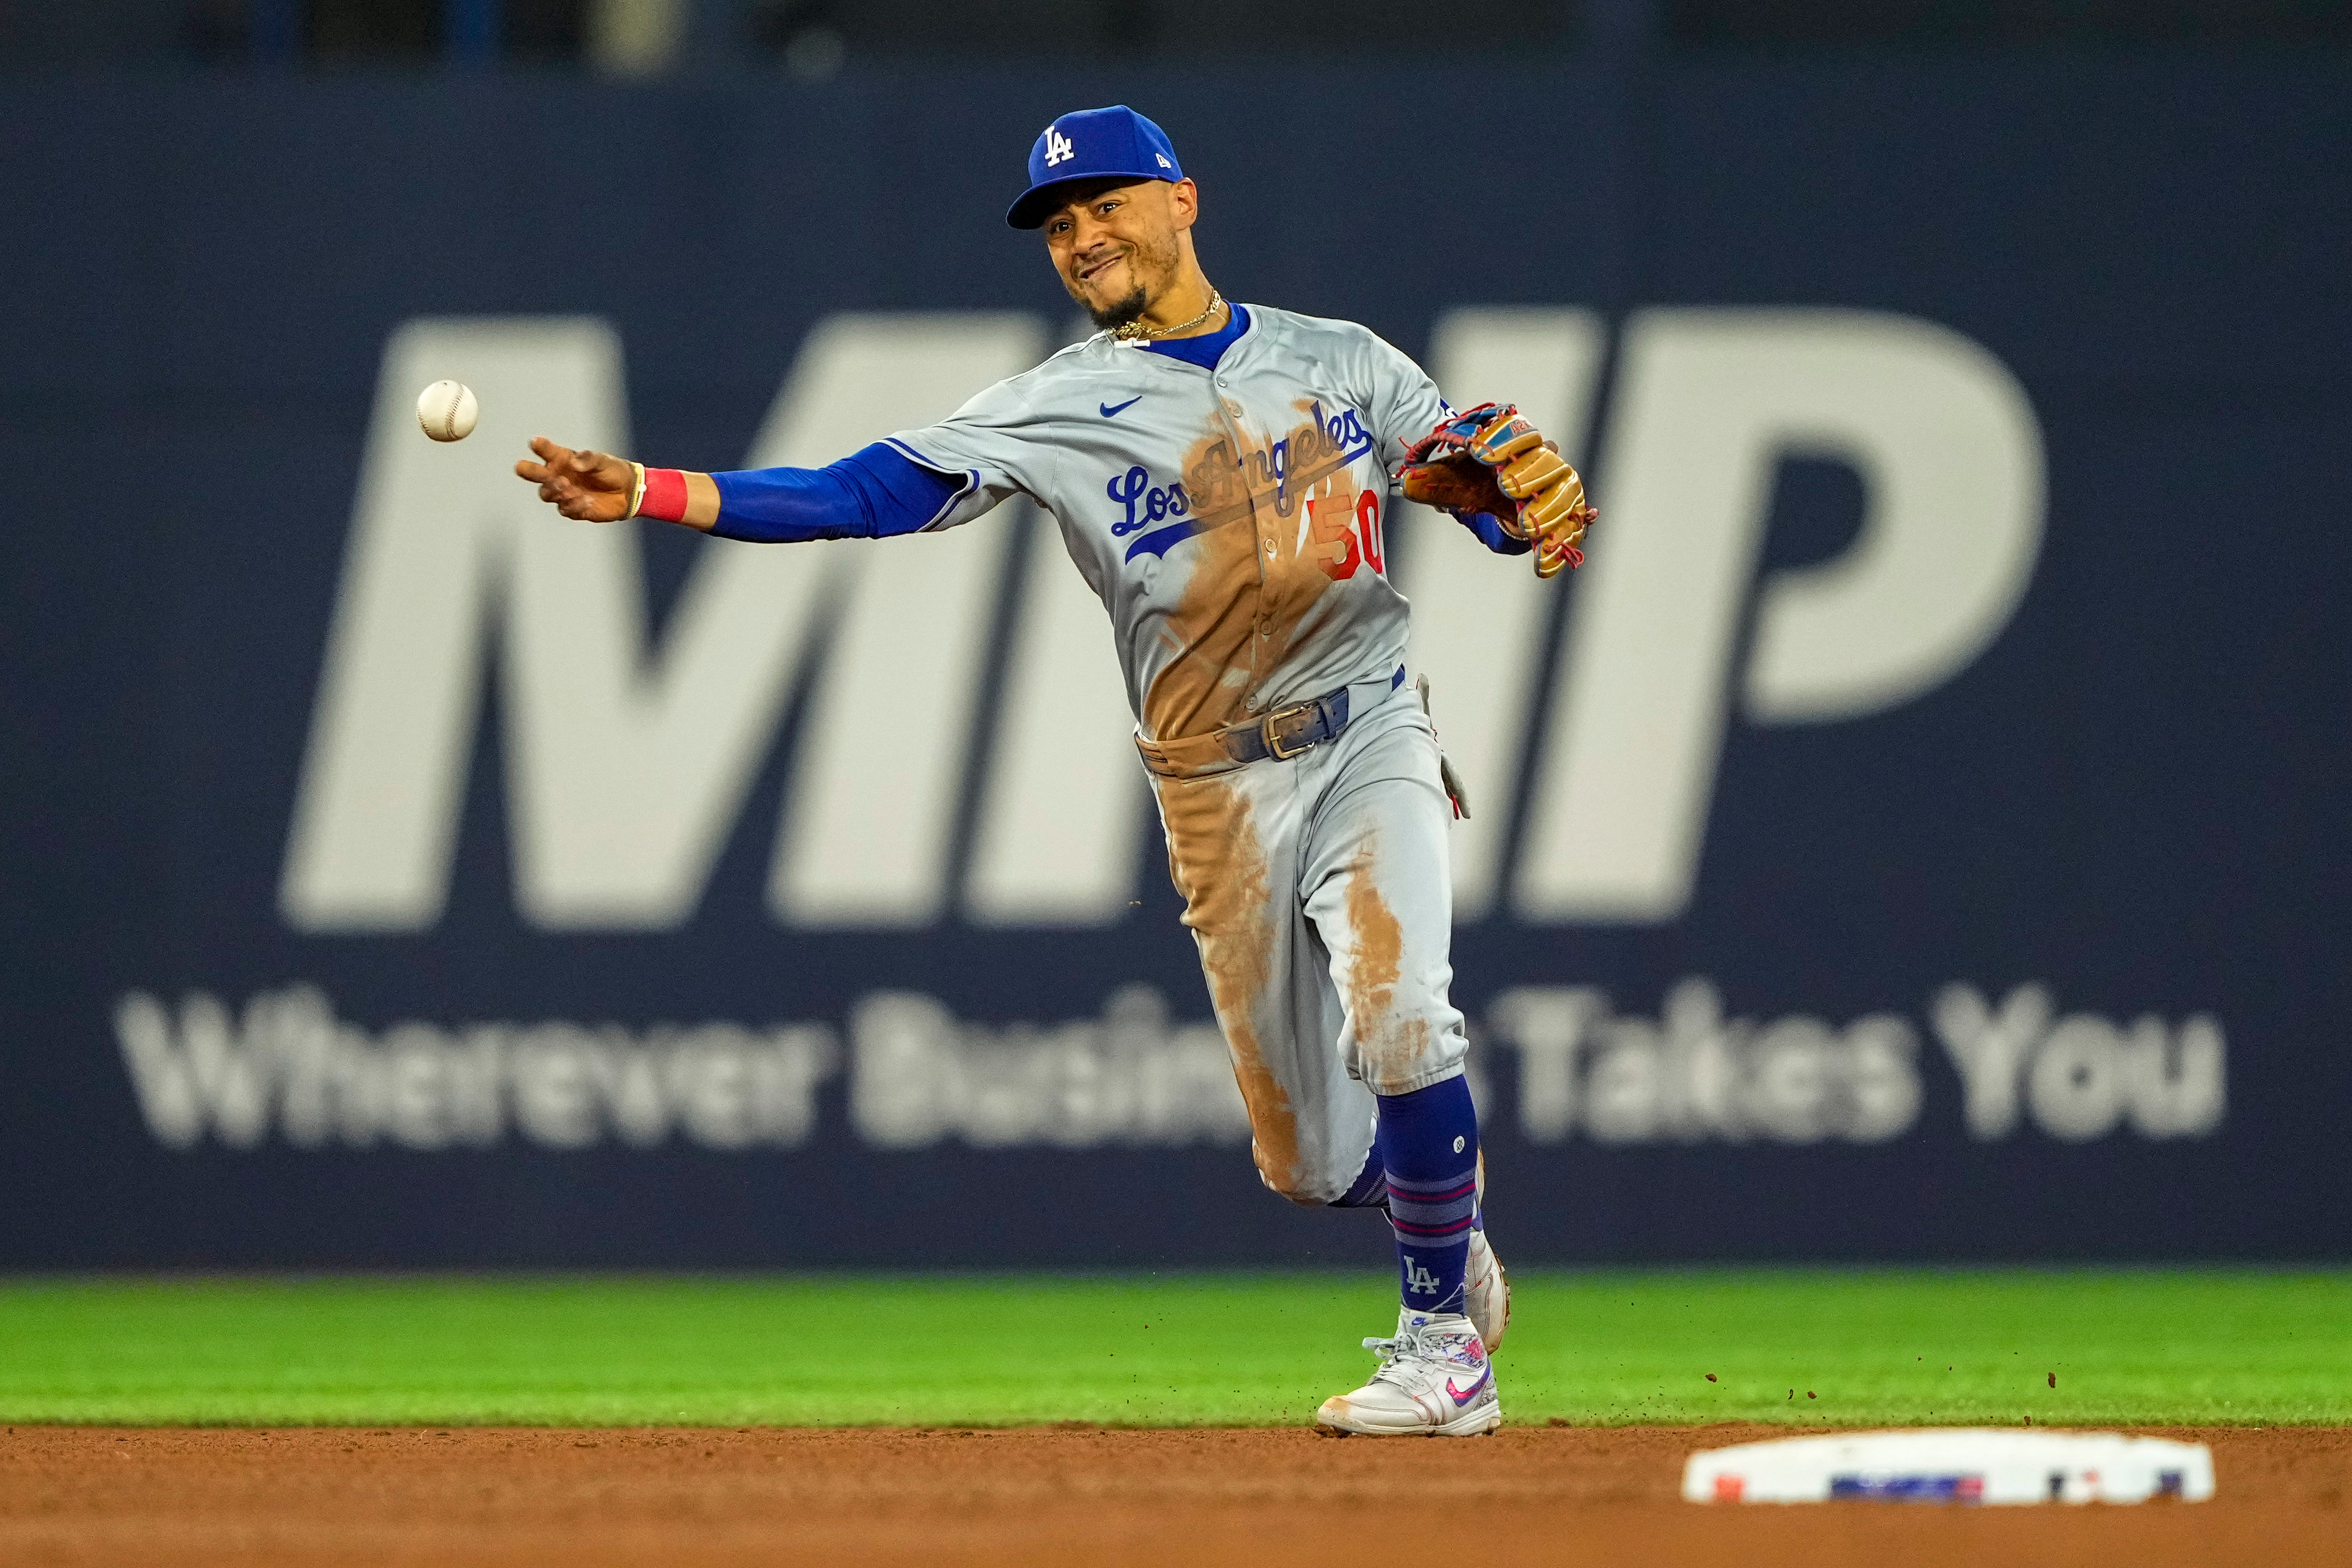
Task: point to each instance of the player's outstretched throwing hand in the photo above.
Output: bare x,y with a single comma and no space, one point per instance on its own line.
593,487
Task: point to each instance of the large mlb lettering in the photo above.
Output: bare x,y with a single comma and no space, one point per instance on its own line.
628,763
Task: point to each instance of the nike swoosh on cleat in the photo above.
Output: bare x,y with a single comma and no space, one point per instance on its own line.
1464,1395
1112,410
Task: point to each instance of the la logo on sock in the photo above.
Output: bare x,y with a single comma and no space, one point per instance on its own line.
1417,1279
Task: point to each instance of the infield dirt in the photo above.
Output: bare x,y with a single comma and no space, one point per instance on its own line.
585,1497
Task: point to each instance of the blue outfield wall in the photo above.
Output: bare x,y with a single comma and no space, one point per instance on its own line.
1919,833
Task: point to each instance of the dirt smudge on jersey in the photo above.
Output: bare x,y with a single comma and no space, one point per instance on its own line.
1245,607
1218,864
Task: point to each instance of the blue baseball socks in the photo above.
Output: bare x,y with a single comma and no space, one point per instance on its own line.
1427,1142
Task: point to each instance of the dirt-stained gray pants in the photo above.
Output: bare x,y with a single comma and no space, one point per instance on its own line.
1319,891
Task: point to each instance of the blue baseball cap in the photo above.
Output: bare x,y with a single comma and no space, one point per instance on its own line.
1092,144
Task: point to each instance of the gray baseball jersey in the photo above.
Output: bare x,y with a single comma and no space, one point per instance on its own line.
1231,519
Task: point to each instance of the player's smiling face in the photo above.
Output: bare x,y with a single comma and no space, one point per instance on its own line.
1118,246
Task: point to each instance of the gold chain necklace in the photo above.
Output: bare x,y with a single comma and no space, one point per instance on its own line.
1136,331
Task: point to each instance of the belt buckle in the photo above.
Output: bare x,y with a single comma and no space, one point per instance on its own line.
1273,742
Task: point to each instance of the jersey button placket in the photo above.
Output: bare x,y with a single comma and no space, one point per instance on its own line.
1229,413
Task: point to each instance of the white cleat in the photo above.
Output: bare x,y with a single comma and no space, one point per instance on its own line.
1487,1292
1434,1381
1487,1301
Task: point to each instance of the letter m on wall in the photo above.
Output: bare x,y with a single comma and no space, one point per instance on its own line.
627,762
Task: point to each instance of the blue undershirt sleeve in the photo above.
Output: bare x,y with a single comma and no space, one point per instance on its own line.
876,492
1490,533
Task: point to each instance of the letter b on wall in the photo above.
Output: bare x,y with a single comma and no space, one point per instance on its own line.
1709,404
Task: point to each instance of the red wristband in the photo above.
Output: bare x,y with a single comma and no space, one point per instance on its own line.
665,497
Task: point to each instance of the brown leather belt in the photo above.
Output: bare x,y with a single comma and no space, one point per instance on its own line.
1279,736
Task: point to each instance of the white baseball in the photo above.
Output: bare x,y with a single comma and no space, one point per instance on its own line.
448,410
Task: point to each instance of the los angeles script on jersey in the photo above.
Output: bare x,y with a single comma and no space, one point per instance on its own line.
1217,489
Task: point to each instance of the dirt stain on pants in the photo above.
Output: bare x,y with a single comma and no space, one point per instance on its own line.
1391,1046
1316,889
1218,863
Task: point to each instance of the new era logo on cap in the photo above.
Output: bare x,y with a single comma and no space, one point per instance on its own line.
1090,144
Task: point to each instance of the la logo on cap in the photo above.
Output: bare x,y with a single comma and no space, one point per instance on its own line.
1057,147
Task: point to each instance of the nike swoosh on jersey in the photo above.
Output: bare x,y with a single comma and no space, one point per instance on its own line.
1463,1395
1113,410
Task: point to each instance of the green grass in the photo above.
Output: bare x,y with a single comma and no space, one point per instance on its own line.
1602,1347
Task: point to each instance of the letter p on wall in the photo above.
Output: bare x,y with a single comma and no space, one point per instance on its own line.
1709,402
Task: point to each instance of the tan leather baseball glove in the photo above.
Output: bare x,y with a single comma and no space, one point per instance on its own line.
1490,459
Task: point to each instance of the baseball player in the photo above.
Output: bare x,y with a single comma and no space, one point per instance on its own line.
1222,475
